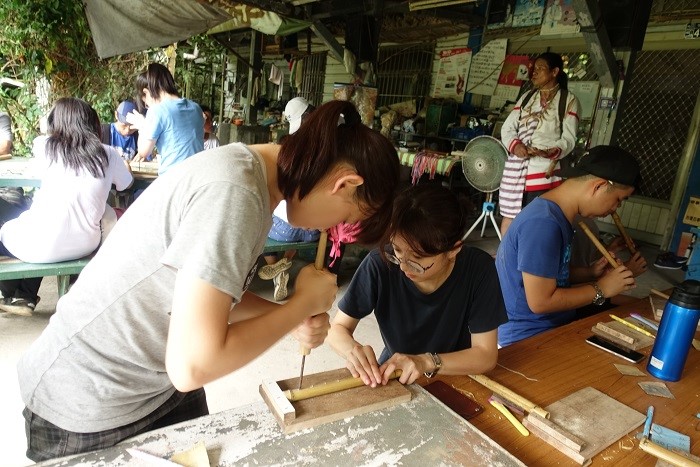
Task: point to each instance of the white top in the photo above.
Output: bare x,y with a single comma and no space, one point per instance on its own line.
63,222
281,211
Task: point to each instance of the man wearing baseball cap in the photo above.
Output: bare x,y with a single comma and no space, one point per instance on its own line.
119,134
539,288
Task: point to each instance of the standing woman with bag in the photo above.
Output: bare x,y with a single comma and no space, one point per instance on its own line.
65,220
539,132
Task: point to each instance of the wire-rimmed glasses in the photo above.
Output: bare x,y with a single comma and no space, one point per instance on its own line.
413,266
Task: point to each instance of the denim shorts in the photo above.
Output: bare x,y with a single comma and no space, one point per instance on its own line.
283,232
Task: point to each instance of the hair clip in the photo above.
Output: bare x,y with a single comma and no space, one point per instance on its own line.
341,120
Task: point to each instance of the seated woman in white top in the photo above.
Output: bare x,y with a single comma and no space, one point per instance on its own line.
64,220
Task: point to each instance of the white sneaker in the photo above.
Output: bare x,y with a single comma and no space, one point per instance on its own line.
18,306
280,281
270,271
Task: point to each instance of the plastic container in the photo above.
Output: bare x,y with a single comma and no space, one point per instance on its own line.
676,332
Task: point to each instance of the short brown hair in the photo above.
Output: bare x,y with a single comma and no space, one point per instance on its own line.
430,217
331,135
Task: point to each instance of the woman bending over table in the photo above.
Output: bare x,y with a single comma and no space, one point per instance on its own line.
163,308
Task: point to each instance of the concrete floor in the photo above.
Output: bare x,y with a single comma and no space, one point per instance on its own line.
282,361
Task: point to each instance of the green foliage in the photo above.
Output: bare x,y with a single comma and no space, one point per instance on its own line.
51,40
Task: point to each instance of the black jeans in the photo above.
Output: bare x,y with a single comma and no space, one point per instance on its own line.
12,204
48,441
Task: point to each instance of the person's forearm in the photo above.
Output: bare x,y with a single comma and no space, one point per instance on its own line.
472,361
5,147
340,339
564,299
251,306
242,343
578,275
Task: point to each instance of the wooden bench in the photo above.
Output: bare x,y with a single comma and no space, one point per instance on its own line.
12,268
273,246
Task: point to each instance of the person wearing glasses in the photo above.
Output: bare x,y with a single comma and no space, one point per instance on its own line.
438,303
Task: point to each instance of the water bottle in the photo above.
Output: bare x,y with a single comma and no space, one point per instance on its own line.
676,332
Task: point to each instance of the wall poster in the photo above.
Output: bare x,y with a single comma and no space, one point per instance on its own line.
451,78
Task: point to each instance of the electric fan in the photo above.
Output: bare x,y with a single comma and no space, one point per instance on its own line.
482,163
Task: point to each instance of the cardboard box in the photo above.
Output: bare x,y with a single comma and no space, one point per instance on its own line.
692,213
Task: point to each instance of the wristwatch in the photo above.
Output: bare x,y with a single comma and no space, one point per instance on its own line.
599,298
438,364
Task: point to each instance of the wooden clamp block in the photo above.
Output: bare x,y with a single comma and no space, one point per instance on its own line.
301,414
615,333
554,431
612,331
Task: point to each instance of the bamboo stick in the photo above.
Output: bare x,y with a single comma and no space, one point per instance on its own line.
598,245
509,395
665,454
328,388
660,294
623,232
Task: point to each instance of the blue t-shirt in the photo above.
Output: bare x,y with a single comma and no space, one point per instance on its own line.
538,242
177,126
126,146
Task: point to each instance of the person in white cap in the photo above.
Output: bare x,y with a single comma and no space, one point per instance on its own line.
295,111
276,270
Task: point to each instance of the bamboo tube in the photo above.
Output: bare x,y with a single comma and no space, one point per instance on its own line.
598,245
509,395
665,454
660,294
328,388
623,232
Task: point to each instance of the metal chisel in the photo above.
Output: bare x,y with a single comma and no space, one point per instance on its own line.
319,263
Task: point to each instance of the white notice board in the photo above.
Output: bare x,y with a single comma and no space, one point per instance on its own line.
587,94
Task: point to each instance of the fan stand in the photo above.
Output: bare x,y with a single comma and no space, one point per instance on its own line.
486,212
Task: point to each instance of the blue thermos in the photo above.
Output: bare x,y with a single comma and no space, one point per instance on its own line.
676,332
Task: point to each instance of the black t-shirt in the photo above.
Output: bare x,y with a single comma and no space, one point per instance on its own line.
412,322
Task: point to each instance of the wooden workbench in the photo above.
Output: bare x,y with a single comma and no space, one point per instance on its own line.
563,363
19,172
419,432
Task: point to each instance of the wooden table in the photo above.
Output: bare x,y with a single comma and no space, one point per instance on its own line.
18,172
562,363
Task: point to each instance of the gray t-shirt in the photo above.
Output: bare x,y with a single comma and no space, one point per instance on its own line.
100,363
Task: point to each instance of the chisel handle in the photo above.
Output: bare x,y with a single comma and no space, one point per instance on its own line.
319,264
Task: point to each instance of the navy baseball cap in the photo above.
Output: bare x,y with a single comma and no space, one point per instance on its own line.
124,108
609,162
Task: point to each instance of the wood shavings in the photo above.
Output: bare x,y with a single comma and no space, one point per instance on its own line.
466,393
626,444
517,373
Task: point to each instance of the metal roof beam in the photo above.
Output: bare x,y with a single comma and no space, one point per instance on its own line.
596,36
